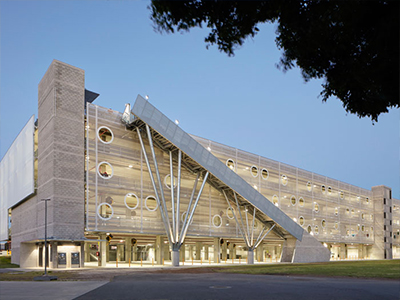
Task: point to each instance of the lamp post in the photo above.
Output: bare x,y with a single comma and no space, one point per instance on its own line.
45,277
45,236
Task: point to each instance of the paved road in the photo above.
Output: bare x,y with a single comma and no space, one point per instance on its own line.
237,286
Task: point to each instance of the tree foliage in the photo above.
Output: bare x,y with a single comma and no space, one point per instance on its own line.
352,45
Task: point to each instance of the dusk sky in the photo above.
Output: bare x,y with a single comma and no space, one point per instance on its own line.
242,101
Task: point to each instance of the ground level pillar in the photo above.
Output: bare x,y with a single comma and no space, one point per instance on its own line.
175,258
250,257
103,251
216,250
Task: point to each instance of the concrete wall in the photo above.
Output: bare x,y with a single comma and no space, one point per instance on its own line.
382,223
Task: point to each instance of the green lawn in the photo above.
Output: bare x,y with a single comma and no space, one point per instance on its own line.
5,262
362,269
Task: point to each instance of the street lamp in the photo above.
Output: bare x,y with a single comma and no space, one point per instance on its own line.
45,276
45,236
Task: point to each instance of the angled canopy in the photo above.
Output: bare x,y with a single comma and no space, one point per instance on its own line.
226,178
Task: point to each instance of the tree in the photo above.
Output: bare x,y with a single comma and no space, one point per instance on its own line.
352,45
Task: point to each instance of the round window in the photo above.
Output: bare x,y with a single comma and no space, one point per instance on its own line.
301,201
230,164
329,190
336,211
341,194
105,211
362,228
284,180
217,221
105,135
309,186
301,221
336,226
167,181
352,211
323,223
230,213
105,170
275,200
151,203
293,200
363,216
183,216
254,171
264,174
131,201
316,229
309,229
367,200
316,207
323,189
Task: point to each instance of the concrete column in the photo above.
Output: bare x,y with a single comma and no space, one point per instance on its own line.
159,249
128,249
107,252
216,250
82,258
206,252
288,249
224,251
182,251
53,255
103,251
175,258
259,253
134,253
191,252
343,251
250,257
166,252
199,245
360,252
87,252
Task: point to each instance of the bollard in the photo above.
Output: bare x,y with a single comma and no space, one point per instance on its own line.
201,261
270,259
116,262
209,260
232,259
163,261
192,260
183,261
152,262
141,262
225,259
239,260
129,263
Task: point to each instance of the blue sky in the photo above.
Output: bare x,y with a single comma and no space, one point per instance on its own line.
242,101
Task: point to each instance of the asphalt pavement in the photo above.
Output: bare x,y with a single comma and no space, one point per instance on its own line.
223,286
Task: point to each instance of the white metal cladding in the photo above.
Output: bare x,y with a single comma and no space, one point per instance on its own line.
17,174
344,217
169,130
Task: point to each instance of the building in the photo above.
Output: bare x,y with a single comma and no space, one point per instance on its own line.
134,187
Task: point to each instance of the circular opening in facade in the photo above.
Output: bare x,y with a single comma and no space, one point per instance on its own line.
254,171
275,200
323,223
362,228
293,200
323,189
131,201
217,221
336,211
167,181
301,201
329,190
105,211
284,180
230,164
347,210
183,216
264,174
341,194
352,211
309,186
316,207
151,203
316,229
363,216
230,213
367,200
336,226
309,229
105,135
372,229
105,170
301,221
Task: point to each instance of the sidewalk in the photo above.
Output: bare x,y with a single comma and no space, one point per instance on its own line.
63,290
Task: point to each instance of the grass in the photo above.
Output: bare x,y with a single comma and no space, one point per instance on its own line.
388,269
5,262
28,276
